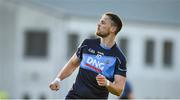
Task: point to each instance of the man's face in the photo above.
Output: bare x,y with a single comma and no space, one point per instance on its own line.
104,26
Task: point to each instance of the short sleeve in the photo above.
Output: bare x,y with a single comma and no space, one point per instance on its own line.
80,49
120,68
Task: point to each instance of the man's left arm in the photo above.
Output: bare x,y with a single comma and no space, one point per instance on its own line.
116,87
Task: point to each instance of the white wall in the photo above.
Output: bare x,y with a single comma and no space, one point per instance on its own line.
7,45
155,82
46,68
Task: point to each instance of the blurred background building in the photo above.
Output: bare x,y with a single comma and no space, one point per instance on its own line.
37,37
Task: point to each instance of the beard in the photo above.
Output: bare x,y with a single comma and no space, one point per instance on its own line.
100,34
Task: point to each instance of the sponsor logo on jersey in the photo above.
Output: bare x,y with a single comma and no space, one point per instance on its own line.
95,64
91,50
100,53
98,56
107,62
98,63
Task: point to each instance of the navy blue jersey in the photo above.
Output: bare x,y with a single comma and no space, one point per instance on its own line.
97,60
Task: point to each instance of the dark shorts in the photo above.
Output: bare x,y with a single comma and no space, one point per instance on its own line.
73,95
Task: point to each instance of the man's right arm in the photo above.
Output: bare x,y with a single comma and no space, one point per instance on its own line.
67,70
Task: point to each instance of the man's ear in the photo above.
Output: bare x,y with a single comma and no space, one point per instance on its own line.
113,29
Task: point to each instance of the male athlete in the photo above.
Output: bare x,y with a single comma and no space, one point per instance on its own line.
102,64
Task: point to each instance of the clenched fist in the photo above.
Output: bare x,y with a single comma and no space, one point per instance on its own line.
101,80
55,85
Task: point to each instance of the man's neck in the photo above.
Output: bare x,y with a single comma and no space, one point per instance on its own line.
108,41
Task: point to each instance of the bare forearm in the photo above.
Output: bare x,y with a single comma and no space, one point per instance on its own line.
117,86
65,72
69,68
115,89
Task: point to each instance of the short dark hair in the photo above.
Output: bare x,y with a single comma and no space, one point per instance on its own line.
116,21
